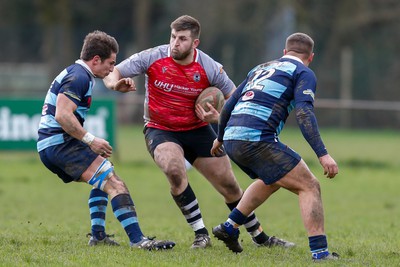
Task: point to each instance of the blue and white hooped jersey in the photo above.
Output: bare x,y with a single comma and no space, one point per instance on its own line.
75,82
267,96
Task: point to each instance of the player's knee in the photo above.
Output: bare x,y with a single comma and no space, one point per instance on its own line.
101,176
233,191
175,173
314,185
173,170
176,181
317,186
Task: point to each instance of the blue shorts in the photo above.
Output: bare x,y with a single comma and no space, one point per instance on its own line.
195,143
267,161
68,160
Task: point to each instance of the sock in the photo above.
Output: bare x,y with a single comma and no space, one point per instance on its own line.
318,246
98,201
252,225
236,218
124,211
231,227
234,221
187,202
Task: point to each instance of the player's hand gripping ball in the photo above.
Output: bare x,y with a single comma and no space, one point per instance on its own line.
213,96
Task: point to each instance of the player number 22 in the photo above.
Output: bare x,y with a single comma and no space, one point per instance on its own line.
260,76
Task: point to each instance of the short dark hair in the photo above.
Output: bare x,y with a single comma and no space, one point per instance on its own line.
300,43
186,22
98,43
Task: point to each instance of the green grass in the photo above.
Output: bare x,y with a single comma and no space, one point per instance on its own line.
44,222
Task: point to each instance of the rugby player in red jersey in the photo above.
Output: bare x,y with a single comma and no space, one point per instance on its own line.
175,130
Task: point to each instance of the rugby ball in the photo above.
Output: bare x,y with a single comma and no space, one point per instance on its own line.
211,95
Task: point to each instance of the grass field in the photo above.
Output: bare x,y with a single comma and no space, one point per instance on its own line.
44,222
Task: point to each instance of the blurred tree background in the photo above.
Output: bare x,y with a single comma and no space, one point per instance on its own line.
356,59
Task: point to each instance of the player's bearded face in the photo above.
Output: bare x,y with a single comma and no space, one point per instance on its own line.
181,44
180,55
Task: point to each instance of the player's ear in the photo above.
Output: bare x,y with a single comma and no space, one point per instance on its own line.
196,43
311,57
284,51
97,59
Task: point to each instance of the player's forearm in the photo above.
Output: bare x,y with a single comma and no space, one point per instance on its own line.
309,127
223,120
226,112
111,79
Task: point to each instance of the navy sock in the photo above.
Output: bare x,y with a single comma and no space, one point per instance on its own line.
318,246
252,225
98,201
124,211
237,217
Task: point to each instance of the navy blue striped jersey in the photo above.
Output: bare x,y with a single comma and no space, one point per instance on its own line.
267,96
75,82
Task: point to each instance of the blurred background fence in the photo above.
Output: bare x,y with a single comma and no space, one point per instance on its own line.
357,61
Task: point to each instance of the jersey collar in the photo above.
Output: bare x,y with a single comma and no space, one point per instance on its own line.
293,57
83,64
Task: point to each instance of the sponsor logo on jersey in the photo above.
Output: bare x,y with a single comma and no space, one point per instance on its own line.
44,109
196,77
164,69
168,87
309,92
89,101
248,96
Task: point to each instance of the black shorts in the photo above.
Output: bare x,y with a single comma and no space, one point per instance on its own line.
195,143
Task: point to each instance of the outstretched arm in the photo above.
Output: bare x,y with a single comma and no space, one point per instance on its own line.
114,81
